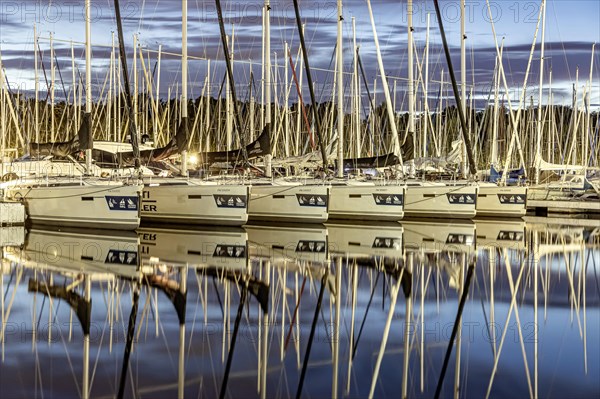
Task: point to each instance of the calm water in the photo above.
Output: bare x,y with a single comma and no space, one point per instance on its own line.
204,312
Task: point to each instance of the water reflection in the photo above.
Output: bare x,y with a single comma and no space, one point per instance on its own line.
483,308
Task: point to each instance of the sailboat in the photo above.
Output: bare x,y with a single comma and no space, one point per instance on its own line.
469,198
355,198
423,198
65,159
79,200
190,200
281,199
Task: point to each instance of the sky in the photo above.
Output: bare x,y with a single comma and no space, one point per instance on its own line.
572,27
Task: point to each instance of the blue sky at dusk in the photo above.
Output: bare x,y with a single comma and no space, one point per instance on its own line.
571,29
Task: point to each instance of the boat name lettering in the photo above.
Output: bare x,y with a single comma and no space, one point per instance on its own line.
147,237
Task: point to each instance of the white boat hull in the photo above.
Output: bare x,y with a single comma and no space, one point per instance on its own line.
440,200
366,202
186,202
509,201
104,205
289,203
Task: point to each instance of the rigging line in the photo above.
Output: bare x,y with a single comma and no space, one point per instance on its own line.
62,83
293,321
487,323
310,84
218,296
237,118
12,275
313,327
236,328
355,345
371,105
128,101
129,343
457,322
13,97
301,101
41,54
461,115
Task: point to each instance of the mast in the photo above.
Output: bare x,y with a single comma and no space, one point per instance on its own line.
311,89
586,157
426,88
85,394
37,85
463,70
386,90
461,115
238,119
411,78
157,99
52,87
87,116
340,93
538,142
228,121
494,160
184,84
132,125
286,104
356,96
267,55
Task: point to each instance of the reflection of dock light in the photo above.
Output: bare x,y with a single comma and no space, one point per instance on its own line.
193,159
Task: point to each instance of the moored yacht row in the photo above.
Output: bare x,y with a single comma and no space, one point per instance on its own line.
122,204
